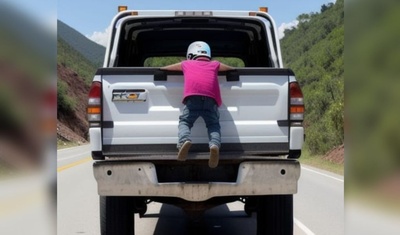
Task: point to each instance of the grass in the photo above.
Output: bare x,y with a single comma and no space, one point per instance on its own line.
380,196
4,171
66,144
318,162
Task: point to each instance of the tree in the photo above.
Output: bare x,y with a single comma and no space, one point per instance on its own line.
315,52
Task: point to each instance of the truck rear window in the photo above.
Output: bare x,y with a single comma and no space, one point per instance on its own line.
163,61
239,42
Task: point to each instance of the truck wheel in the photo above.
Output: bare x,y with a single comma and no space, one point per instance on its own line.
117,216
275,215
250,205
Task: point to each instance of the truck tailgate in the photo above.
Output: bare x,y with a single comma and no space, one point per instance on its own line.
141,110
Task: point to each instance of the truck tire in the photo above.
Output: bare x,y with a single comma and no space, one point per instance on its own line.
117,216
275,215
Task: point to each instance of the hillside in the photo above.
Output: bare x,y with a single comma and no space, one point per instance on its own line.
71,124
87,48
314,50
74,75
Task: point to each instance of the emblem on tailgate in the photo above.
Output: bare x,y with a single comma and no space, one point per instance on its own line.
139,95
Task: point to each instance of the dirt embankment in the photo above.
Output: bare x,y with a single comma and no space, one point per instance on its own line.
336,155
73,127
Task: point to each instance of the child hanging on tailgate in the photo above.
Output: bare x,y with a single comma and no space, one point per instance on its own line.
201,97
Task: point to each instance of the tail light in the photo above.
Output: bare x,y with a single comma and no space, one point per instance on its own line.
296,104
94,105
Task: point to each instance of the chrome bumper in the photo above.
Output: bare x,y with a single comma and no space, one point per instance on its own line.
140,179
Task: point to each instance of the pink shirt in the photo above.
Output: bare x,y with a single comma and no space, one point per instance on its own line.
201,78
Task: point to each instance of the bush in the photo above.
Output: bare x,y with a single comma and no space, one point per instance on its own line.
65,103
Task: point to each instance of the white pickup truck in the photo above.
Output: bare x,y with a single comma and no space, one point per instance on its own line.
133,113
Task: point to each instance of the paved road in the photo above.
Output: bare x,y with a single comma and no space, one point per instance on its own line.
319,202
318,205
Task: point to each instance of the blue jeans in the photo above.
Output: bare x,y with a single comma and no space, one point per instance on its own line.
195,107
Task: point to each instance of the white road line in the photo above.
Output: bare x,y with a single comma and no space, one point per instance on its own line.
303,227
69,148
238,206
308,169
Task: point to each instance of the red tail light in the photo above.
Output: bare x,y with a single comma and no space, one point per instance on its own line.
296,104
94,105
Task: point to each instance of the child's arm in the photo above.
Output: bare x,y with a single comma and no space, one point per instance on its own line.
172,67
224,67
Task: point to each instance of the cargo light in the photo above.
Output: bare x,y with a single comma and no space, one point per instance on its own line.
260,9
263,9
94,105
296,104
122,8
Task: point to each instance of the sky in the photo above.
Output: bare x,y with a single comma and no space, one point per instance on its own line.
92,17
43,12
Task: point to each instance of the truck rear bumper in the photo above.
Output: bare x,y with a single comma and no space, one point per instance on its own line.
140,179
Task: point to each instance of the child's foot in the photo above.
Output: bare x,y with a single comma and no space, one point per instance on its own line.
214,156
184,150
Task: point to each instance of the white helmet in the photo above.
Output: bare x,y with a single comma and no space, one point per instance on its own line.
197,49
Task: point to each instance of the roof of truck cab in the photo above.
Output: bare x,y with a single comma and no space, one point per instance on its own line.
236,27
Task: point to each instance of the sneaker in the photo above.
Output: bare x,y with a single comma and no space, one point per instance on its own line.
214,156
184,150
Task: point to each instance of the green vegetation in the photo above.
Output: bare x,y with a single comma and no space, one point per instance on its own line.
163,61
88,49
61,144
320,163
6,171
20,64
69,57
315,52
66,103
373,95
